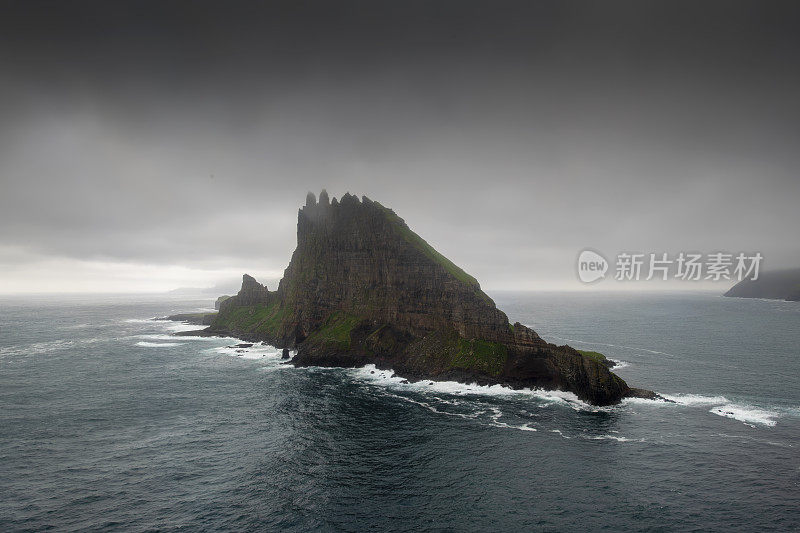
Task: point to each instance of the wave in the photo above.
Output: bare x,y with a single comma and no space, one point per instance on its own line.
496,422
170,337
370,373
619,364
592,343
388,380
159,344
695,399
179,326
613,437
82,326
748,414
37,348
722,406
257,351
433,409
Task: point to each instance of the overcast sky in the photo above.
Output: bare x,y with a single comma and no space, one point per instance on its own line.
147,146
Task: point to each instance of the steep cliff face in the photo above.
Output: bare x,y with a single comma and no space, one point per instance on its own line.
362,287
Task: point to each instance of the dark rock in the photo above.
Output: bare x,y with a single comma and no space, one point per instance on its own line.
200,319
646,394
219,301
285,354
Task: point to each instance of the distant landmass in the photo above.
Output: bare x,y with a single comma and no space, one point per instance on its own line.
363,288
229,287
777,285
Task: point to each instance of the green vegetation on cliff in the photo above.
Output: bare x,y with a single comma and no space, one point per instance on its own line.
596,356
335,332
422,245
252,319
481,356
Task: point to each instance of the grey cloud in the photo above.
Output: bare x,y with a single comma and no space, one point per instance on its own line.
509,136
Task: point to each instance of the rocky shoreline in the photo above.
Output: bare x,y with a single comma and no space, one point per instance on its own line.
381,364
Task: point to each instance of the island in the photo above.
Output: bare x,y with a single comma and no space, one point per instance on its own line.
775,285
362,287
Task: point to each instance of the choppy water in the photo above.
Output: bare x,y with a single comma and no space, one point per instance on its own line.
107,422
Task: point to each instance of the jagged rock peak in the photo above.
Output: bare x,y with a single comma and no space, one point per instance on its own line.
323,198
310,199
252,292
249,283
349,199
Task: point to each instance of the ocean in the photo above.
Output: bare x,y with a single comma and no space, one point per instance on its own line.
110,423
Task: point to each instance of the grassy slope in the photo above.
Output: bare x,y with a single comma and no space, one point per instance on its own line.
596,356
335,331
266,319
481,356
422,245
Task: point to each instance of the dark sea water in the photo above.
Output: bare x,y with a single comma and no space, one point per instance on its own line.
109,423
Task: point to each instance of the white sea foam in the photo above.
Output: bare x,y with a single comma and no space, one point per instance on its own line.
722,406
613,437
81,326
619,364
644,401
179,326
747,414
495,417
38,348
432,408
257,351
170,337
159,344
371,374
633,348
695,399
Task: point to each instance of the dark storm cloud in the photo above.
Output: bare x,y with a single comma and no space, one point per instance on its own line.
505,133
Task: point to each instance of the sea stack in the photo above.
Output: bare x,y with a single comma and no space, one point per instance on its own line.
362,288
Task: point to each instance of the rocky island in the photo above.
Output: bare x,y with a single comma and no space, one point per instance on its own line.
362,287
